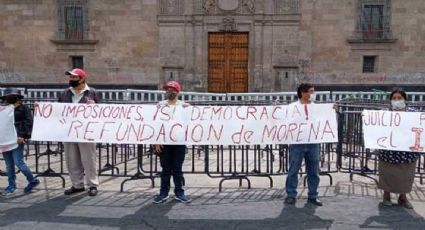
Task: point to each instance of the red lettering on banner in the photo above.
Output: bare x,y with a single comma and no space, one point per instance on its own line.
143,132
280,135
264,113
365,117
85,115
161,133
204,113
267,132
75,125
37,110
313,131
213,130
275,109
247,136
165,113
391,140
201,133
139,110
95,112
117,137
383,119
216,112
417,147
44,110
87,131
129,112
115,112
242,135
397,119
296,111
378,118
69,110
238,115
197,111
291,127
327,130
133,132
80,109
106,108
158,107
103,128
381,142
172,129
251,110
300,127
228,113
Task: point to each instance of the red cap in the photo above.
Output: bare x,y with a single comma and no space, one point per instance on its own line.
76,72
172,85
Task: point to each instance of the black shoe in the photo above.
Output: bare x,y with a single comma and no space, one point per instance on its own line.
92,191
315,201
73,190
290,200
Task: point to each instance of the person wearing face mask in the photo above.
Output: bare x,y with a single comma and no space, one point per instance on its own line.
23,125
309,152
171,156
397,168
80,157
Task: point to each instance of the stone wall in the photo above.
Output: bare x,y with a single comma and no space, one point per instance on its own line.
146,42
122,47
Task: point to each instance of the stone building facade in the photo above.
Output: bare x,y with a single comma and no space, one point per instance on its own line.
215,45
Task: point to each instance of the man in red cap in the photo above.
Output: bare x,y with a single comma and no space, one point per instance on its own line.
171,156
80,157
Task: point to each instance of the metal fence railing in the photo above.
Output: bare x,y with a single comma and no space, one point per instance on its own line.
134,162
150,96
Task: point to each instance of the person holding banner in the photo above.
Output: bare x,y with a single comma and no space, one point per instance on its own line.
171,156
15,157
397,168
310,152
80,157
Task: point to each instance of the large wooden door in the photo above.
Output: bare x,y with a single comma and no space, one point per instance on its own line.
228,62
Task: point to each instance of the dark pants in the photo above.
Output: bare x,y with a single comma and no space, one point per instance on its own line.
172,158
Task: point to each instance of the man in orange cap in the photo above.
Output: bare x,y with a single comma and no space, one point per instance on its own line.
80,157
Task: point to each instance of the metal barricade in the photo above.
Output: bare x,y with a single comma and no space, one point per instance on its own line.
134,162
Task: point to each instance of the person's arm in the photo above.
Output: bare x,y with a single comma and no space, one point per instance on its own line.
61,95
92,96
28,122
96,97
25,129
185,104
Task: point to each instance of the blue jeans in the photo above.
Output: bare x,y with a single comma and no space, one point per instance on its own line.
311,154
16,157
172,158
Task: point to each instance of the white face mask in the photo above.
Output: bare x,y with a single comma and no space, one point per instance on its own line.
398,104
312,97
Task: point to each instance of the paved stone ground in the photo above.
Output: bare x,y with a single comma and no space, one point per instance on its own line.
347,205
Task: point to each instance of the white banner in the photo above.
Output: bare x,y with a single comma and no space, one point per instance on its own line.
8,137
197,125
403,131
